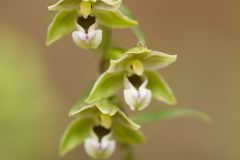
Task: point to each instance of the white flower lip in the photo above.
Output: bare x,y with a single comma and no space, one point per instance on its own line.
137,99
90,38
100,148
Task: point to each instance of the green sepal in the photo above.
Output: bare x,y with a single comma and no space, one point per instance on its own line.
114,19
75,134
112,2
122,118
65,5
62,24
107,85
81,102
86,110
165,114
159,88
126,135
107,5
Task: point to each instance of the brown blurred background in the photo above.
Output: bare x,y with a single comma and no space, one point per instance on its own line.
205,35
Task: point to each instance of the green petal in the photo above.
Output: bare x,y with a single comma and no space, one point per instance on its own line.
126,135
138,49
108,5
65,5
159,88
75,134
107,107
114,19
62,24
165,114
112,2
107,85
136,53
150,59
157,60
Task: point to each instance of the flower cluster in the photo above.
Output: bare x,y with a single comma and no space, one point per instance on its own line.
101,122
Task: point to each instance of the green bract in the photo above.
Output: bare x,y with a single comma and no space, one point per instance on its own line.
138,61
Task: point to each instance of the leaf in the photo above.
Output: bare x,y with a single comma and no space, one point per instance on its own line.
127,135
62,24
75,134
65,5
107,107
136,29
107,85
159,88
165,114
114,19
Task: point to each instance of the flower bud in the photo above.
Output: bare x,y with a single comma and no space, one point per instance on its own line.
87,35
139,98
100,147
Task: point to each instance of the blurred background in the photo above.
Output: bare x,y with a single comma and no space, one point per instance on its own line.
39,84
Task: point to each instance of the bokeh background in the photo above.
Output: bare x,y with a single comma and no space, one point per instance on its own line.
39,84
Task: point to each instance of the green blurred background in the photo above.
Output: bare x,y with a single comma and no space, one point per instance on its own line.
39,84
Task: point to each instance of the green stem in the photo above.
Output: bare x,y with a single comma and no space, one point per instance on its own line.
127,152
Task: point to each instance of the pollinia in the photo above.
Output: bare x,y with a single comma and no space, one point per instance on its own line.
101,122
